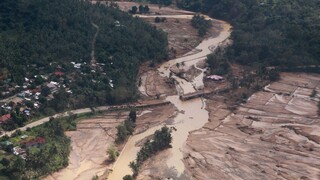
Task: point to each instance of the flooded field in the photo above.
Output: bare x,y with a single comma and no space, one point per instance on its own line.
274,135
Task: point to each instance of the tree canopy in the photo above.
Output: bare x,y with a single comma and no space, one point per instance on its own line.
269,32
37,36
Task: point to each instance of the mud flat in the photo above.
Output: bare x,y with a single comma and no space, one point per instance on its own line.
88,147
274,135
94,136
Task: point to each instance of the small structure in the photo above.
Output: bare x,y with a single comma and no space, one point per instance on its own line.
26,112
6,143
117,23
34,142
193,95
24,136
18,150
5,118
59,73
215,77
52,86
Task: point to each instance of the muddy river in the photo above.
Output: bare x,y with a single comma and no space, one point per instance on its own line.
191,114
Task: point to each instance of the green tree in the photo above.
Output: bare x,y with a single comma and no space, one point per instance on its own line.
45,91
135,168
134,9
133,115
157,20
146,9
141,9
128,177
122,134
112,153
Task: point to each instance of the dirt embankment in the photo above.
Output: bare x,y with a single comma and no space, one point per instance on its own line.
274,135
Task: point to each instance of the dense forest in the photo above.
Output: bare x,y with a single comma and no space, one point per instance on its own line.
267,32
40,37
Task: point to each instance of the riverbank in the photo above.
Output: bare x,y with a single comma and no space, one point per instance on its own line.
191,115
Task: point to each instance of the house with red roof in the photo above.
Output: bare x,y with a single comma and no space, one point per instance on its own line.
34,142
59,73
5,118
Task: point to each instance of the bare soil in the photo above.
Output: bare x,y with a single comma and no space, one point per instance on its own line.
94,136
274,135
153,84
88,147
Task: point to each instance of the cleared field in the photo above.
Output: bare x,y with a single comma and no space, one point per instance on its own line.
275,135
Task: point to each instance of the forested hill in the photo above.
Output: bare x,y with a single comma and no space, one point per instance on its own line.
39,37
271,32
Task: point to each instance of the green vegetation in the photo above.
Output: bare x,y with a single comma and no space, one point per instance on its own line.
218,63
313,94
40,158
267,32
40,37
18,119
201,24
158,19
112,153
127,177
160,141
126,128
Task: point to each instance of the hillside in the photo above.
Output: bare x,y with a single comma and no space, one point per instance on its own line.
43,41
273,32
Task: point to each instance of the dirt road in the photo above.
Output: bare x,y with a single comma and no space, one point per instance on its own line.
46,119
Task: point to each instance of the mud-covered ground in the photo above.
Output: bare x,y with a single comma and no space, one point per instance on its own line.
94,136
88,147
274,135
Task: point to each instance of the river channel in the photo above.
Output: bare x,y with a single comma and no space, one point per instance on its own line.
192,114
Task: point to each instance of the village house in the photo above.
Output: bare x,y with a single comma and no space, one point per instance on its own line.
5,118
52,86
215,77
59,73
34,142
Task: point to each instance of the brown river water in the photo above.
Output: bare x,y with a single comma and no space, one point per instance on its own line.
192,114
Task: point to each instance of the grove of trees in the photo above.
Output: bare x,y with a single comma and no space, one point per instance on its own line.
200,23
161,140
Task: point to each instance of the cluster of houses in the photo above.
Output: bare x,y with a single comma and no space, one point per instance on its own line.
24,144
27,97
